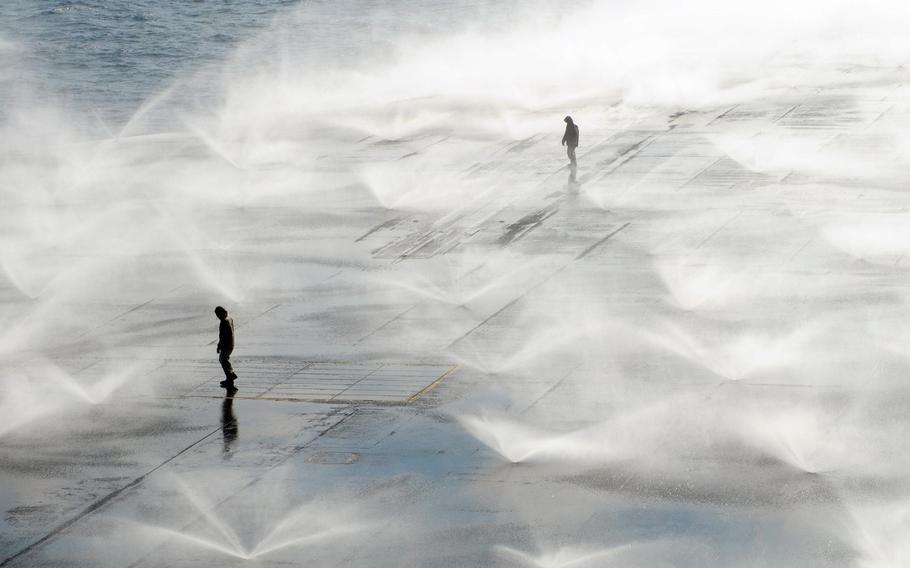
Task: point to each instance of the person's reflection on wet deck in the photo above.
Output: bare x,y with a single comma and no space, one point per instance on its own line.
572,186
228,425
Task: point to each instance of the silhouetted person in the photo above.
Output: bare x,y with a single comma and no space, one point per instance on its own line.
570,138
225,348
228,424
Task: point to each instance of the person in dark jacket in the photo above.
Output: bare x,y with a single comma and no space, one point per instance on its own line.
226,347
570,138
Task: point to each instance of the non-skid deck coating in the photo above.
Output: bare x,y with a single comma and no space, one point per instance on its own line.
390,383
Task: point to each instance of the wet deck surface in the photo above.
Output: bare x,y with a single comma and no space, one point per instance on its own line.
689,352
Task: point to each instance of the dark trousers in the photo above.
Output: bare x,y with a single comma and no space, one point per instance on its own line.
570,150
225,359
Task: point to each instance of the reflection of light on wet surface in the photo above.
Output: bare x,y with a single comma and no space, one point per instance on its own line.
562,558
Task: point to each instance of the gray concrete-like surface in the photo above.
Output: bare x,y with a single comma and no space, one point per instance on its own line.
690,352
